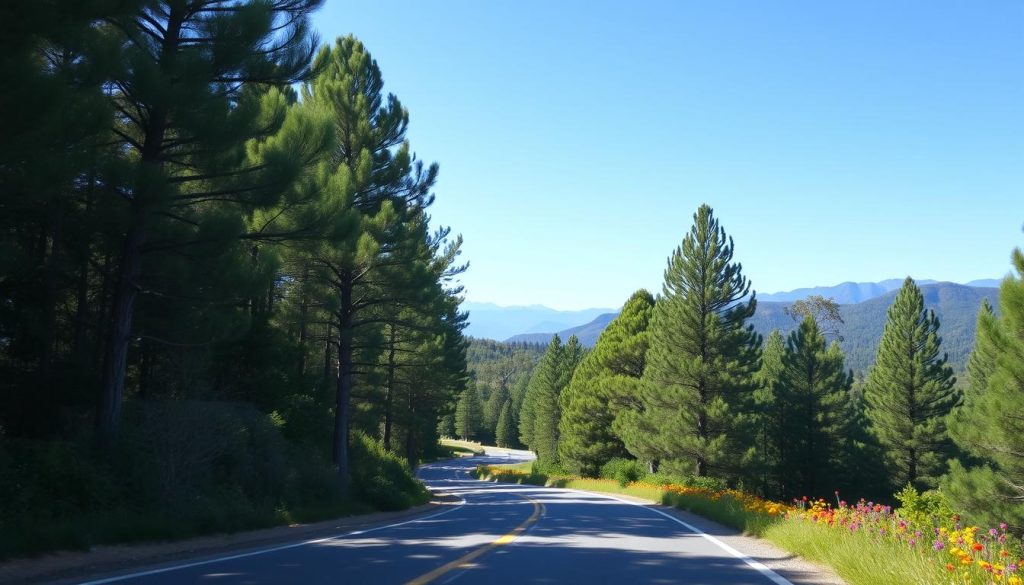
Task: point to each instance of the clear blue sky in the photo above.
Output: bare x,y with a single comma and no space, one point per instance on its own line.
835,140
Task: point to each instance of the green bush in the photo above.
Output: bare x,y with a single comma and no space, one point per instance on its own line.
180,469
708,483
624,471
382,478
928,508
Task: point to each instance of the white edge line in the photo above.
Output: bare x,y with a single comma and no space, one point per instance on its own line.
756,565
264,550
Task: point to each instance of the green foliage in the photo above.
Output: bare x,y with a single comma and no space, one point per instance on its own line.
606,382
702,357
811,394
541,410
770,412
988,426
623,470
910,391
235,277
468,415
505,434
928,508
382,478
183,468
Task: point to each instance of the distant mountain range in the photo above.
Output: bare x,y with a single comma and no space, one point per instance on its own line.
956,305
848,293
490,321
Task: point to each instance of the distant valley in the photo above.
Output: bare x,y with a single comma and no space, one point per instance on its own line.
864,307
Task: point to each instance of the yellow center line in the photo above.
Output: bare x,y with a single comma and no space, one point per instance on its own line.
464,561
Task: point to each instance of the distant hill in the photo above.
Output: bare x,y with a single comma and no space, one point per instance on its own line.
846,293
587,333
956,305
489,321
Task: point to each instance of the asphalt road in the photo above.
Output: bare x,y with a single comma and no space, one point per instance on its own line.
501,534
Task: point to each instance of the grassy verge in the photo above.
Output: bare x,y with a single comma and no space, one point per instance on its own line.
857,557
462,448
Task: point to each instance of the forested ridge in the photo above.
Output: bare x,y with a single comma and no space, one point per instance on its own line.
223,303
955,304
681,389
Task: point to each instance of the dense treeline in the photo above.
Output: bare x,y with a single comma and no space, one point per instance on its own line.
681,388
221,294
488,409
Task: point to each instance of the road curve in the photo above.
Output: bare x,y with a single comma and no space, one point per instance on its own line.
499,534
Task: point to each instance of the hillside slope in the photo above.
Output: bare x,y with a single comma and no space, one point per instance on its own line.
956,305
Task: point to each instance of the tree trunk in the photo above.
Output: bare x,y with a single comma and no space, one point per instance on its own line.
303,317
115,359
389,389
328,370
48,343
410,438
345,379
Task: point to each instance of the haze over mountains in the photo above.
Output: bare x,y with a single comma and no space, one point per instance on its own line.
856,292
490,321
864,307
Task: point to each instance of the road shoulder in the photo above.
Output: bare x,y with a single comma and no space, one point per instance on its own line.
797,570
75,566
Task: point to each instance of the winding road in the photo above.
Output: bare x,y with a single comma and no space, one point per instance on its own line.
495,534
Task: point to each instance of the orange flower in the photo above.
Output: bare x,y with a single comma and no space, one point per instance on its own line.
978,546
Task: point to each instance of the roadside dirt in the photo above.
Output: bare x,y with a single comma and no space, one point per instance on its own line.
75,566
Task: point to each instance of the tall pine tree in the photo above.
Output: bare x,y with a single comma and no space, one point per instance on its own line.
191,91
910,391
702,356
505,433
469,415
770,414
542,402
606,382
815,391
990,425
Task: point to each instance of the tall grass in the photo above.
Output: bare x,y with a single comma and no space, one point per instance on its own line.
857,557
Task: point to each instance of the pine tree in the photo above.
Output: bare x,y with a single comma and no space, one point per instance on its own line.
770,414
468,415
990,424
605,383
910,391
505,434
371,257
542,383
983,356
492,410
191,92
815,390
541,406
702,356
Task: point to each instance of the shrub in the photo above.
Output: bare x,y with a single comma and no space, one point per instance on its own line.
180,468
382,478
924,509
713,484
624,471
